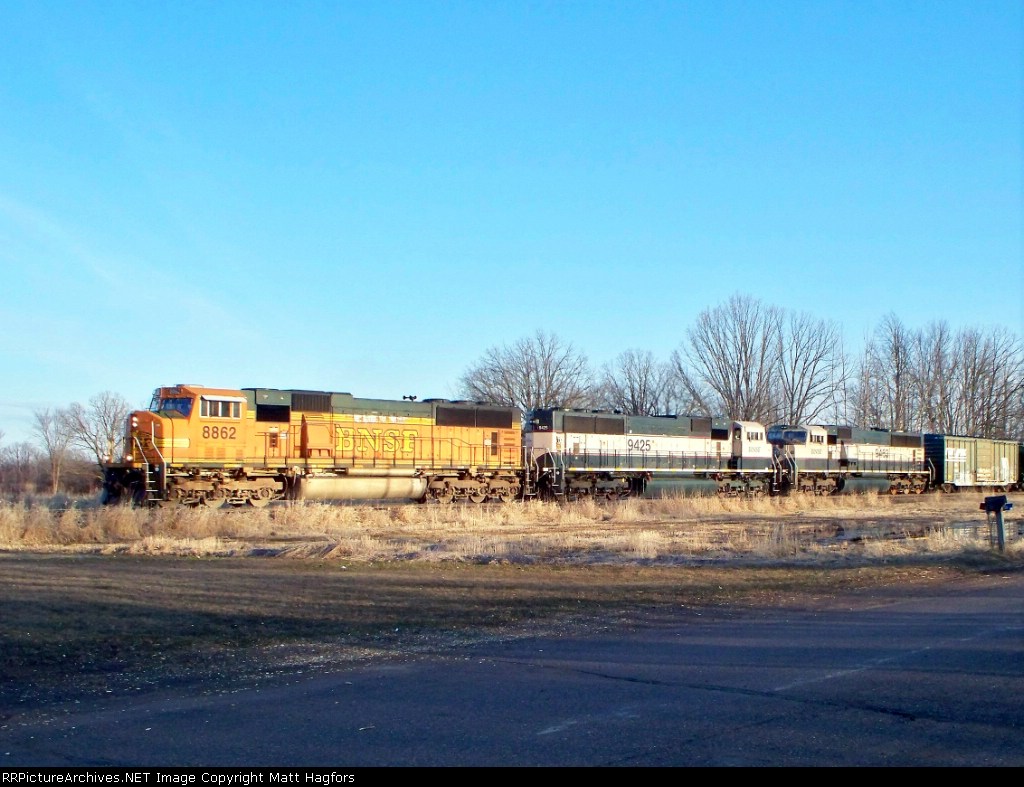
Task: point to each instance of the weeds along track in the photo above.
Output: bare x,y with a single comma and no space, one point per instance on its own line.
667,530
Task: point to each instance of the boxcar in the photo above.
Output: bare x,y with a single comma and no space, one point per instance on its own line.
973,463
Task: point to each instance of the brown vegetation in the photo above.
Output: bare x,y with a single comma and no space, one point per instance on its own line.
659,531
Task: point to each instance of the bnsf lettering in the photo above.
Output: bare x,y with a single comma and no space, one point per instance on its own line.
389,441
219,432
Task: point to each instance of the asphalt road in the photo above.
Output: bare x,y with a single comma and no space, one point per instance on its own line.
930,678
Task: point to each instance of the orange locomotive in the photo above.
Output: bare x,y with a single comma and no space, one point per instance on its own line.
217,446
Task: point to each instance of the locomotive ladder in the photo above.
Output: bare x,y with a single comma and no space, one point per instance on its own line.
558,474
531,473
785,466
551,476
152,482
154,492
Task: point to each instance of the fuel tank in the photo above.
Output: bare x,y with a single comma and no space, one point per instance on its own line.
863,486
681,487
328,488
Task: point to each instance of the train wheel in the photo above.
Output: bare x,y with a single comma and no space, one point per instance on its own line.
477,496
262,497
215,498
443,495
176,496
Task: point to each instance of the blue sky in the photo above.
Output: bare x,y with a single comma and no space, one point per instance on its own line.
365,197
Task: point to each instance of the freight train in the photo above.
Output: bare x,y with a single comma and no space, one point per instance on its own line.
251,446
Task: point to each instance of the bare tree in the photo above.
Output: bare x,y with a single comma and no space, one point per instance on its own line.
887,380
811,369
728,366
54,431
1007,383
866,408
934,362
99,428
18,466
991,378
969,383
635,384
843,407
541,371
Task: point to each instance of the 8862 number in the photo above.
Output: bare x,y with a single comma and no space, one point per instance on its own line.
219,432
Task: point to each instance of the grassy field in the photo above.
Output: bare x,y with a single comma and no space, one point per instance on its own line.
110,600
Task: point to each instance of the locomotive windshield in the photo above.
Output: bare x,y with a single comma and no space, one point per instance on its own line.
542,420
173,405
787,436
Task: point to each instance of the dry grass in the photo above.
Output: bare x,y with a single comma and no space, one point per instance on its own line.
667,530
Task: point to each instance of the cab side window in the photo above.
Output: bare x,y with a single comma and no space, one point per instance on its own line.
217,408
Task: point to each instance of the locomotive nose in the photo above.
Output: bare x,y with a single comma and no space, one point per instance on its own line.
144,428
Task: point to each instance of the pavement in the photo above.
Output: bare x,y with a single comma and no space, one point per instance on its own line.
930,677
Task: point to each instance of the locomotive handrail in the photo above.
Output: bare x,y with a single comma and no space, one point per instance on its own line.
784,463
152,442
531,472
641,460
431,449
874,465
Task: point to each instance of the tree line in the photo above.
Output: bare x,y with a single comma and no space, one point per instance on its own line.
70,447
742,359
748,360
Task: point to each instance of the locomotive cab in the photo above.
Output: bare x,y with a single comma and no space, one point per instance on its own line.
805,457
179,423
750,448
182,448
807,446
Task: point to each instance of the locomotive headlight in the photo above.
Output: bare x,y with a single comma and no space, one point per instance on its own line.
135,422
